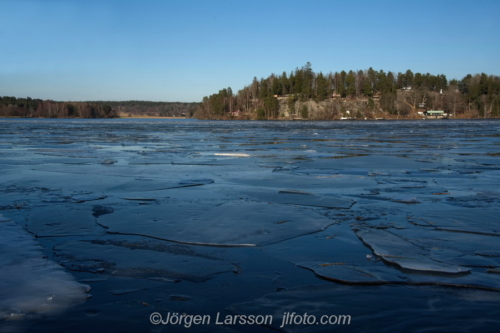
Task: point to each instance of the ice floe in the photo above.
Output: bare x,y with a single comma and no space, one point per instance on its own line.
30,283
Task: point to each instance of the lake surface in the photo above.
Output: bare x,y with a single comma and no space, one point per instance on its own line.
110,225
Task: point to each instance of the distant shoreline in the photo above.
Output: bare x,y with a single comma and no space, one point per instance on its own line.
270,120
151,117
133,117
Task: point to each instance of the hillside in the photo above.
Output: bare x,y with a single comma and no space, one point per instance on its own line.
370,94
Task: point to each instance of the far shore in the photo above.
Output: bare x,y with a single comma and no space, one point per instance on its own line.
138,116
150,117
123,116
120,117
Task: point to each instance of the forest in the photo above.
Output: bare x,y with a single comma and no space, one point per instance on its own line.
37,108
153,109
364,94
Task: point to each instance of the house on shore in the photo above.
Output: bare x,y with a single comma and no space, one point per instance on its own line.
235,113
435,114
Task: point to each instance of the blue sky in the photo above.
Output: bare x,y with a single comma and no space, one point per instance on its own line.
76,50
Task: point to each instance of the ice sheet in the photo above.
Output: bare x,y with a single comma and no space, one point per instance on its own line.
395,250
224,224
439,307
30,283
143,209
163,263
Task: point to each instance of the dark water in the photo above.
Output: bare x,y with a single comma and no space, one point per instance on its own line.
104,222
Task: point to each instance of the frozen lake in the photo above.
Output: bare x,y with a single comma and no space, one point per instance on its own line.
393,223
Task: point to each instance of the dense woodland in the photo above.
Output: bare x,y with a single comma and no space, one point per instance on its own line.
303,93
158,109
28,107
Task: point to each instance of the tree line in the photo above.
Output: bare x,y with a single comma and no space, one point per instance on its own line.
37,108
149,108
392,93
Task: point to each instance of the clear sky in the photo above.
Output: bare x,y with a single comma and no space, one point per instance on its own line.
174,50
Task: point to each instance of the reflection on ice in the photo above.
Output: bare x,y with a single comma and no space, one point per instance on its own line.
377,309
232,154
164,263
228,224
300,198
31,284
395,250
60,221
459,258
86,197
